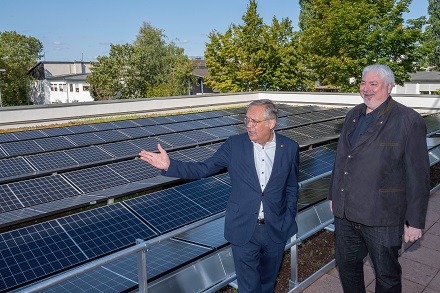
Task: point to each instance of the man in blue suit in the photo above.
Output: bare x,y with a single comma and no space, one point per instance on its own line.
262,206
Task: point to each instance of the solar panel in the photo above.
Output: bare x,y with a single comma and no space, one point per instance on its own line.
125,124
24,147
162,120
95,178
8,201
134,170
316,161
158,129
14,166
210,234
181,126
219,132
197,154
176,140
49,161
29,134
121,149
104,126
81,128
144,121
111,135
200,136
57,131
7,137
88,154
213,114
167,209
216,122
105,229
209,193
54,143
84,139
224,177
2,153
149,143
136,132
313,192
36,251
182,117
43,189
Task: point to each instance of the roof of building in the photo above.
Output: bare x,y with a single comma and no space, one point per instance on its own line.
425,76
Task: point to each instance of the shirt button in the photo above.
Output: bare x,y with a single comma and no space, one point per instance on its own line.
346,173
342,189
349,156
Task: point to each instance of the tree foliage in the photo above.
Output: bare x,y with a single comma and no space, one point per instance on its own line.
18,53
149,67
340,37
429,50
255,56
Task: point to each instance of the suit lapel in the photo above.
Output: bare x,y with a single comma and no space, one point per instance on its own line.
248,155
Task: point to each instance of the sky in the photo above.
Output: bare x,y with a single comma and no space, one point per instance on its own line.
84,29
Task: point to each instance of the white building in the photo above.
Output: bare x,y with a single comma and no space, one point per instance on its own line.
421,83
60,82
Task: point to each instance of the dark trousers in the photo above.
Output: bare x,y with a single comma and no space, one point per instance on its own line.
354,241
257,262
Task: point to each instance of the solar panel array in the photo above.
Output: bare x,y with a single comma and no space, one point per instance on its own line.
98,160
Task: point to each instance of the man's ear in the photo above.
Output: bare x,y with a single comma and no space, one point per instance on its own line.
272,123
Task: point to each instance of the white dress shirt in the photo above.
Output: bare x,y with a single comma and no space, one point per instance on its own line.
263,158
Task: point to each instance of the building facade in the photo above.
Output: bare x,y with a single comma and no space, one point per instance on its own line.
60,82
421,83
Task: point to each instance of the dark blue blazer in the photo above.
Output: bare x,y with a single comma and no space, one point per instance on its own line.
280,196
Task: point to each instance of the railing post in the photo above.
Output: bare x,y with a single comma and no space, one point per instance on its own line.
142,268
293,282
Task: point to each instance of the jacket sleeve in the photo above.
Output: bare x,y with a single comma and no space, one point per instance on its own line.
417,174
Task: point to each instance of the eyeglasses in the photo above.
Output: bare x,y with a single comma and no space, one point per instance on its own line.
252,122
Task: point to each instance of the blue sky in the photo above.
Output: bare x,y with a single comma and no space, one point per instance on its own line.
84,29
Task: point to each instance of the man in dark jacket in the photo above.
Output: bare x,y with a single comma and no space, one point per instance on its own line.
379,188
262,206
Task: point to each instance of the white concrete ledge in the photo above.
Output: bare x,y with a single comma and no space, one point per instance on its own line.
39,115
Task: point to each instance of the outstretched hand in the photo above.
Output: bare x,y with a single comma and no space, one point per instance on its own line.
159,160
412,234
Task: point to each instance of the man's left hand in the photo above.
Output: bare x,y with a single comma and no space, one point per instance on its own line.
412,234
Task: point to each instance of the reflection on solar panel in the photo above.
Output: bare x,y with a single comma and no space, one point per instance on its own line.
301,139
36,251
95,178
176,140
30,134
57,131
158,129
216,122
223,177
8,201
24,147
125,124
2,153
105,229
14,166
209,234
135,170
111,135
144,121
220,132
84,139
209,193
121,149
182,118
432,123
48,161
313,192
54,143
167,209
181,126
162,120
88,154
213,114
40,190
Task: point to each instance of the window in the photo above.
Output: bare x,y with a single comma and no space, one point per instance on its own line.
77,88
71,87
52,87
424,92
86,88
62,89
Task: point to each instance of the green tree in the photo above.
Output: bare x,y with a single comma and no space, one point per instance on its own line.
429,50
254,56
18,53
340,37
147,68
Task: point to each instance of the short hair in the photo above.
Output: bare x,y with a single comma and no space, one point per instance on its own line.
270,111
383,70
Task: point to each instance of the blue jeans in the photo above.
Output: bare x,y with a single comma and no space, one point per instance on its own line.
354,241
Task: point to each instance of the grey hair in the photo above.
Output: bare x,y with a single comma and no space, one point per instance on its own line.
270,111
383,70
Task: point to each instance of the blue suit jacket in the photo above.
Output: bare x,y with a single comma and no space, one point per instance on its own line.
280,195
